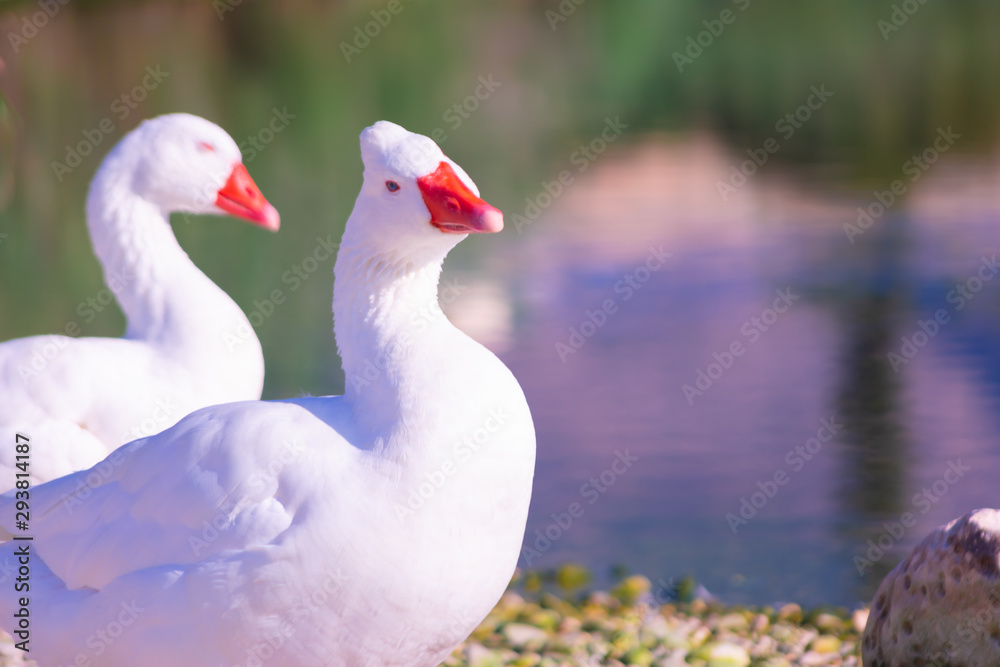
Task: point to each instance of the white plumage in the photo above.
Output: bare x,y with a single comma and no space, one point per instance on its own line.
375,528
80,398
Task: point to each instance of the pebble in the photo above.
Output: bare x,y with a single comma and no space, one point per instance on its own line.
859,619
520,635
728,655
825,644
790,612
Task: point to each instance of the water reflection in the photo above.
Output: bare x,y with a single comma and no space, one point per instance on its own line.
698,457
875,447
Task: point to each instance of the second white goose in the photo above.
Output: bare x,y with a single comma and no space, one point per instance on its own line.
80,398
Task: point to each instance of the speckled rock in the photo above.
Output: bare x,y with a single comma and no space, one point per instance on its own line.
942,604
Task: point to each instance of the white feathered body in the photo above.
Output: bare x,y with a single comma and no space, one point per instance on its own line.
297,542
80,398
376,528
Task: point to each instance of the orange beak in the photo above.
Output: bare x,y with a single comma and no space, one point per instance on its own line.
241,197
453,206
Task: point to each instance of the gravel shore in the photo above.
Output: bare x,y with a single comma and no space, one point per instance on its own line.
627,626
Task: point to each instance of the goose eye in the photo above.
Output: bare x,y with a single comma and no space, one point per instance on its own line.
392,186
206,147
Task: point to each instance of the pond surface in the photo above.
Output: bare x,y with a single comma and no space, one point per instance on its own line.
768,475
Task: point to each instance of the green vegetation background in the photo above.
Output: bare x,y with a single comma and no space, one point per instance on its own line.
234,63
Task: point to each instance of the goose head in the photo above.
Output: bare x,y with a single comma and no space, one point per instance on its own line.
414,199
188,164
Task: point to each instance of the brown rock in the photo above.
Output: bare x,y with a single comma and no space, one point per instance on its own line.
941,606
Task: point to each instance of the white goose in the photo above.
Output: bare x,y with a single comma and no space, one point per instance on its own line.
80,398
374,528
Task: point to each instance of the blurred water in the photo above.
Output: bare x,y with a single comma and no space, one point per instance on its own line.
823,362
